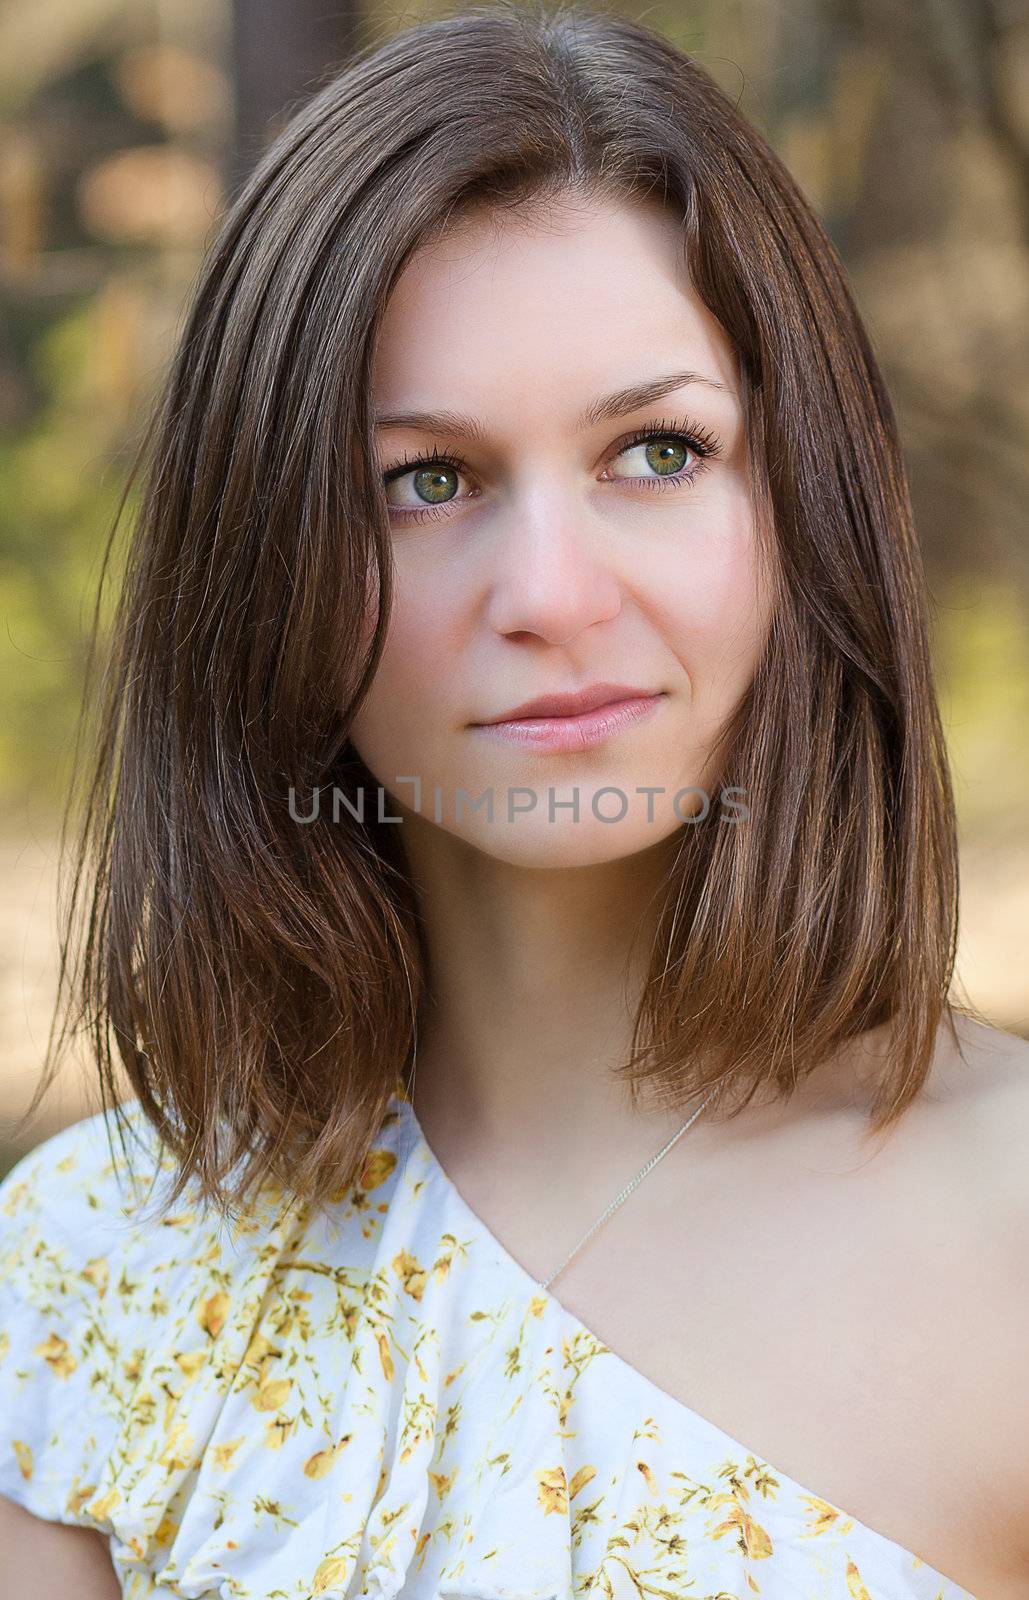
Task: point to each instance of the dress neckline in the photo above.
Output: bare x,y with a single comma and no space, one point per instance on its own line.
660,1399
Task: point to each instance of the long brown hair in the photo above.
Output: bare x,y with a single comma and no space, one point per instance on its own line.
261,979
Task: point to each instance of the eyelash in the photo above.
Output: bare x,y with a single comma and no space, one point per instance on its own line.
701,443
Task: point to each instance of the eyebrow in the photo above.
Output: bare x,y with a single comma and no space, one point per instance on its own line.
605,408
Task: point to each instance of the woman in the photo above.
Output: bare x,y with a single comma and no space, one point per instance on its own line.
419,986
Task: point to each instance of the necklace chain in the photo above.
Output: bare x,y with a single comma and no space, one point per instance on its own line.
627,1191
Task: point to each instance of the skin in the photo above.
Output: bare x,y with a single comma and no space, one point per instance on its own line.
51,1560
560,557
545,566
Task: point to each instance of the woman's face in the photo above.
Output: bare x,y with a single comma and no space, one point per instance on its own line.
550,551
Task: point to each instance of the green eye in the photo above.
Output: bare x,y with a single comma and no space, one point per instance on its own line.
433,484
668,456
665,455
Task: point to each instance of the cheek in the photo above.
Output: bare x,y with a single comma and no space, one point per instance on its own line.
714,604
412,670
422,633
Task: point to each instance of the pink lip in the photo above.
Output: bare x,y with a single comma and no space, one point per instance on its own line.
571,733
572,702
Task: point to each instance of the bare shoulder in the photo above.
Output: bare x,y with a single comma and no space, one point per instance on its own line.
993,1048
986,1097
969,1152
984,1077
975,1165
51,1560
979,1084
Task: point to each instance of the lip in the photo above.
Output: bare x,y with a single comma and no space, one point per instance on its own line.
573,733
570,704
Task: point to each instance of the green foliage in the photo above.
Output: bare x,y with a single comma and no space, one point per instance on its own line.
61,479
982,651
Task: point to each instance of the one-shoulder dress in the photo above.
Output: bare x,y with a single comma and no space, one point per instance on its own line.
374,1399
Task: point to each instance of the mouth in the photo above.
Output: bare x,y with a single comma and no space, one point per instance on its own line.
575,731
572,703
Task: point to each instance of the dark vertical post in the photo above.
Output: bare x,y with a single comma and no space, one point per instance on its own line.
280,53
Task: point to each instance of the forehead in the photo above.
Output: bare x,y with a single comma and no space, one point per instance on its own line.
581,295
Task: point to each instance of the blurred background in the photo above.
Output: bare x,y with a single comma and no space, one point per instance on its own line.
124,129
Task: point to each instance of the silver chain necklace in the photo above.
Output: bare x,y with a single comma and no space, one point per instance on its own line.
618,1200
626,1192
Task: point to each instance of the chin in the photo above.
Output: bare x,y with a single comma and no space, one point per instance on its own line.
535,843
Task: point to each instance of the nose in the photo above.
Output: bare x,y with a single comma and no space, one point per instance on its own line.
550,576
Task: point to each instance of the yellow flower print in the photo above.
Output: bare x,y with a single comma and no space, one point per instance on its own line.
102,1508
320,1464
13,1203
276,1432
330,1575
754,1540
191,1361
57,1355
273,1394
223,1453
211,1315
96,1272
377,1168
553,1490
385,1358
207,1385
172,1456
78,1496
166,1530
411,1273
259,1347
448,1248
245,1224
143,1408
825,1514
580,1480
854,1584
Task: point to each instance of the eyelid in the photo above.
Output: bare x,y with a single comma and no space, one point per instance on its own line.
707,442
701,439
447,456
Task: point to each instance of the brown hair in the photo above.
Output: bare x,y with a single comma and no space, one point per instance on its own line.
262,979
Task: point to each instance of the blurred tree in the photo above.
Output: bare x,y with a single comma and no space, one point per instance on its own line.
279,55
114,124
937,240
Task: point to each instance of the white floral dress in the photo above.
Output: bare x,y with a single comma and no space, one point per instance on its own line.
373,1401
